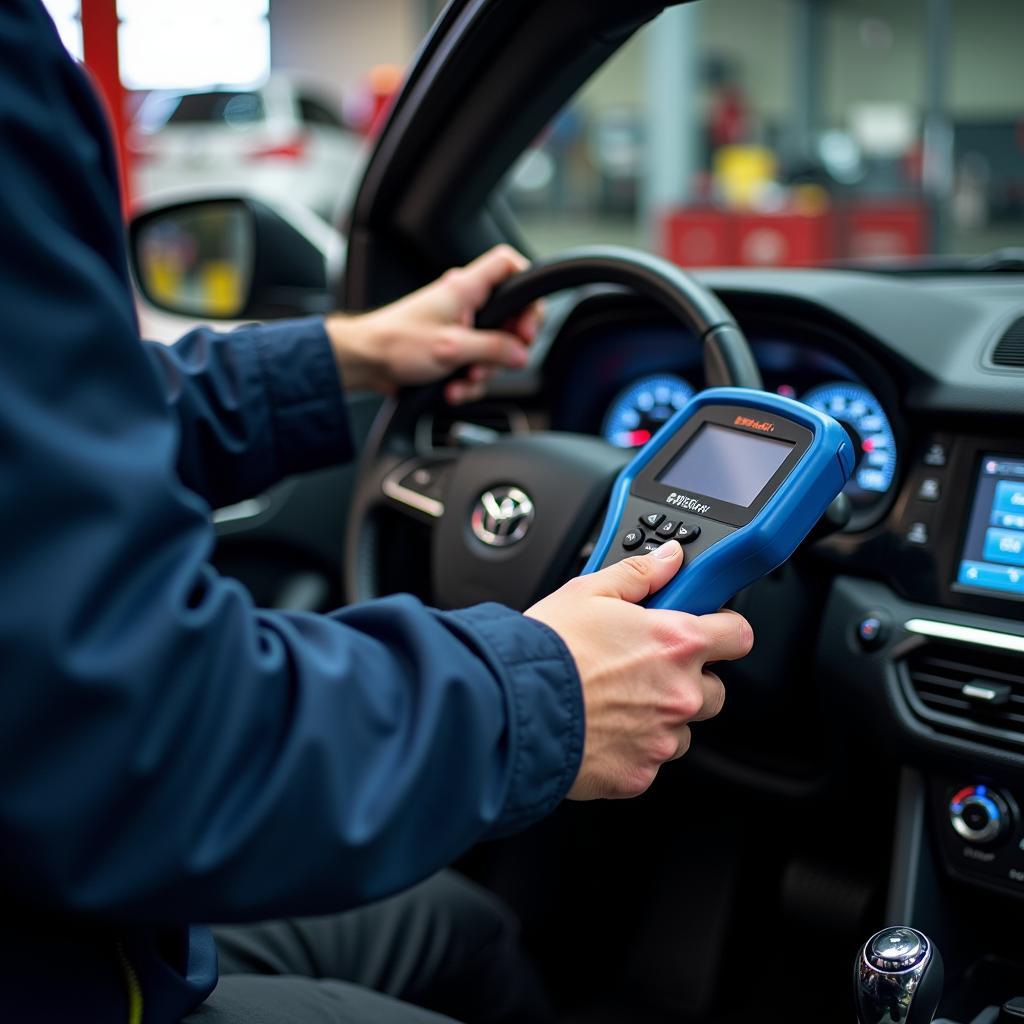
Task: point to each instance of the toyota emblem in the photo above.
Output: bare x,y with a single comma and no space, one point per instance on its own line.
502,516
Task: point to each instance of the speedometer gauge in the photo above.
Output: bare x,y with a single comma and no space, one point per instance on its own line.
860,412
639,410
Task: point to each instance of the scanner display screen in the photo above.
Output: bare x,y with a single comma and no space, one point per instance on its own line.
728,465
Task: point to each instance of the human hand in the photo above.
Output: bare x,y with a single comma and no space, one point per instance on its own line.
643,670
429,334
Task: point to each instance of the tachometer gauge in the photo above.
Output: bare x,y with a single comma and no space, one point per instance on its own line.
860,412
639,410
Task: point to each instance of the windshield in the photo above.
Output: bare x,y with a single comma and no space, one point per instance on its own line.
792,132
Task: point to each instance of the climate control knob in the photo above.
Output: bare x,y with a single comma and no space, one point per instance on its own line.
979,814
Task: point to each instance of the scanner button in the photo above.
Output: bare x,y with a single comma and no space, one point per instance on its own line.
633,539
687,533
667,529
652,520
651,545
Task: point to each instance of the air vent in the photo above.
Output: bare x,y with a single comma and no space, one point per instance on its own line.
470,425
1010,349
965,691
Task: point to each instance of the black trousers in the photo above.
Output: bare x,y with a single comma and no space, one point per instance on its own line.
445,950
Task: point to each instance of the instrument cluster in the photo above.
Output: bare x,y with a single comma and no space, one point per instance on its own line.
640,381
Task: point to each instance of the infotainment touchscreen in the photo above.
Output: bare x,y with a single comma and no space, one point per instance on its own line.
993,554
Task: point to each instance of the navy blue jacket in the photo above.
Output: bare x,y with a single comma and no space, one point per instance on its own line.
170,754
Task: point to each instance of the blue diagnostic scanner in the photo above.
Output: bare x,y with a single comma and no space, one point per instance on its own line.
739,478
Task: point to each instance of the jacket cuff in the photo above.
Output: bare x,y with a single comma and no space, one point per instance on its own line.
545,713
304,393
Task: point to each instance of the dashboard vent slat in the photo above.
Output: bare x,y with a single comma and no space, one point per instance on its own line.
934,675
1009,350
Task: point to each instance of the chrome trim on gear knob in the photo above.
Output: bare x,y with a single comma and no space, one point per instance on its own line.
896,966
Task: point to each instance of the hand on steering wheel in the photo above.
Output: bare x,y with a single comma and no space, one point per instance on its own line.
429,334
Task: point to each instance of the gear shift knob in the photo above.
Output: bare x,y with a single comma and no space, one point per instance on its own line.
897,978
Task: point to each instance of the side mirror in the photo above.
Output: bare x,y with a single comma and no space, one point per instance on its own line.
227,259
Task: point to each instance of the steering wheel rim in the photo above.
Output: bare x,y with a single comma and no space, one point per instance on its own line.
583,468
728,359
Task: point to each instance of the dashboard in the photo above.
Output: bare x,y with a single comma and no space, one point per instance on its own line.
909,622
903,364
900,636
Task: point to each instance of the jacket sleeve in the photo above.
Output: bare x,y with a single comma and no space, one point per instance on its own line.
253,405
168,752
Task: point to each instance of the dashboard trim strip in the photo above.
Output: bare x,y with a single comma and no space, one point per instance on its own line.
965,634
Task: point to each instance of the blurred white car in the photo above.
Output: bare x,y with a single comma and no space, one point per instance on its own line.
281,141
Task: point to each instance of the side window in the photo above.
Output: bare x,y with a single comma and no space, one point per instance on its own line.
313,112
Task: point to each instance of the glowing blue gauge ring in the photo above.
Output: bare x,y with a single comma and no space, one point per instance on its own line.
861,413
640,409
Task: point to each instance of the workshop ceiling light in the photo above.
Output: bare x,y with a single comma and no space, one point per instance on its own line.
187,44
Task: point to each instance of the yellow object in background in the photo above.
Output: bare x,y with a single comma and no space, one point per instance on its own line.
164,278
221,287
743,174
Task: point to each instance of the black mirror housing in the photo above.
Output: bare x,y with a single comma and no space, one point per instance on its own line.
230,258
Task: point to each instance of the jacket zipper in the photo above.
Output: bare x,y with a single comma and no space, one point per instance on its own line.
131,983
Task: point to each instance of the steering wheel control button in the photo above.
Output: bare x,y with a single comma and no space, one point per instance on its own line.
918,534
687,533
979,814
502,516
426,479
651,545
930,489
871,631
896,949
667,529
652,520
419,485
633,539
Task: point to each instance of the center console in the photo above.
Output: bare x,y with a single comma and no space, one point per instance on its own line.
925,666
992,555
980,835
955,537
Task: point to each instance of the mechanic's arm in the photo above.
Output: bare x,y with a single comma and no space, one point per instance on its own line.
262,402
168,752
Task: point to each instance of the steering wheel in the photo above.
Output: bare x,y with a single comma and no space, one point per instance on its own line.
509,521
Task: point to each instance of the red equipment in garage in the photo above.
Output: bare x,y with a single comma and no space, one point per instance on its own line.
885,231
708,237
